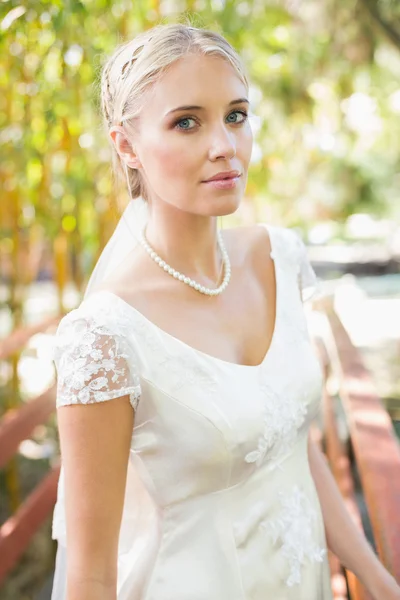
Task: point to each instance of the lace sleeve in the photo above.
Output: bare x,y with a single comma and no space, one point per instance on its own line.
309,283
94,363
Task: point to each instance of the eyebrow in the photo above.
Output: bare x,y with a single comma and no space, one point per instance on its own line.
194,107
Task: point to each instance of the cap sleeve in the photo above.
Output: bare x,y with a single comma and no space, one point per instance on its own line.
309,283
94,361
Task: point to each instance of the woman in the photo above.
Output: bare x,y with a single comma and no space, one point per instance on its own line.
186,377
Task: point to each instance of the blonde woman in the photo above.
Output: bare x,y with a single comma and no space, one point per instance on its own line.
186,377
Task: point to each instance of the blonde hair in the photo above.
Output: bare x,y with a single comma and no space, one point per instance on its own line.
137,64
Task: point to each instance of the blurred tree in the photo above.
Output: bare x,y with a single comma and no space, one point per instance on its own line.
324,94
386,13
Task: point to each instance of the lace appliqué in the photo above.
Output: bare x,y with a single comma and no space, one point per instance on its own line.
283,416
182,369
294,528
93,365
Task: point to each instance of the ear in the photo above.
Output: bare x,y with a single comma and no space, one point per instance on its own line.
124,147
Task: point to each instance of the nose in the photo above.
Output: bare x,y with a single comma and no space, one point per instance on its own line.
223,143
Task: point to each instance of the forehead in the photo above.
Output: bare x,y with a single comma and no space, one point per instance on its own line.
197,79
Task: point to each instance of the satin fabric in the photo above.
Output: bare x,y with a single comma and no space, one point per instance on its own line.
220,503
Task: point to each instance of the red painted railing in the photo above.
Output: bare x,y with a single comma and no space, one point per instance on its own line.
372,443
375,448
16,425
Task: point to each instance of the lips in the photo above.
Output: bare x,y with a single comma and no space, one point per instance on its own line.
223,175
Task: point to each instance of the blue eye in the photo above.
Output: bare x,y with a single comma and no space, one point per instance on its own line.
184,123
238,112
185,120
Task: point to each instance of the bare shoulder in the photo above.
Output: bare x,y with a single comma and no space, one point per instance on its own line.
251,242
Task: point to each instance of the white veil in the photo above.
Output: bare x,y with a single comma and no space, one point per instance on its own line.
138,515
122,242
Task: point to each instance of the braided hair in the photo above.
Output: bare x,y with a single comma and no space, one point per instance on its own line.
137,64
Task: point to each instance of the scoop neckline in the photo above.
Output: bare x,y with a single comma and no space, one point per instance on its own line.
206,355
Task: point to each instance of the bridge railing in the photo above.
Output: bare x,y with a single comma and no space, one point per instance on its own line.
370,454
372,450
17,425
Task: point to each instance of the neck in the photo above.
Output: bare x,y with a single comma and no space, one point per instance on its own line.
188,243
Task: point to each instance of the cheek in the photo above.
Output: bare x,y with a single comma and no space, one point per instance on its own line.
246,144
166,156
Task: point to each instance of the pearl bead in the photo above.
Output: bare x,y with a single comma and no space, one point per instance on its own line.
179,276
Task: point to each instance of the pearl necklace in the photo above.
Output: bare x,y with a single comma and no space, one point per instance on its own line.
196,286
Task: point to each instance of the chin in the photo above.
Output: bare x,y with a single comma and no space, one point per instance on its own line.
225,207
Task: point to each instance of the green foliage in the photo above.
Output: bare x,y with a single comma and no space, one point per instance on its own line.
325,98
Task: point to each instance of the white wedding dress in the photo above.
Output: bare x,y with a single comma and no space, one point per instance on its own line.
220,502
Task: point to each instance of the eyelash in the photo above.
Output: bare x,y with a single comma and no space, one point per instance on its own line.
242,112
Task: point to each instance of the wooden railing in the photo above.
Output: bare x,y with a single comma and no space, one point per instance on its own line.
371,449
17,425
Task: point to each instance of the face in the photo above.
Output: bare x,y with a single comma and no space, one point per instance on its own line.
178,148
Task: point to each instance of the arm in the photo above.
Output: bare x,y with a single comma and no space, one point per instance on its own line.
95,441
343,536
98,391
